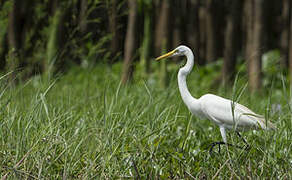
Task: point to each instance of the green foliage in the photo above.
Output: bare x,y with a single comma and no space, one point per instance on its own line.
4,11
85,125
272,69
4,17
53,45
51,39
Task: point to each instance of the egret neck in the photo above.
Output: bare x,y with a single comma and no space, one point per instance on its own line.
182,75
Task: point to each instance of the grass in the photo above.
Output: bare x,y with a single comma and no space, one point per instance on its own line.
85,125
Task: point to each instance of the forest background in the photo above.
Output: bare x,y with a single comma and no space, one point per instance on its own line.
49,36
82,97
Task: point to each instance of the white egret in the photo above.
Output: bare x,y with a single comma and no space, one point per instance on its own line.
223,112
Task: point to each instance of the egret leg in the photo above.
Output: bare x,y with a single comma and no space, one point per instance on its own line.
223,134
224,142
247,145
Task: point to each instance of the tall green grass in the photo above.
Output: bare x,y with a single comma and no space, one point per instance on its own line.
86,125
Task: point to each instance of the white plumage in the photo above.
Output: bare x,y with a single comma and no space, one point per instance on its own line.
223,112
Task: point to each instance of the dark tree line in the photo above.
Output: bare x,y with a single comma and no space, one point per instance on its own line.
225,28
48,36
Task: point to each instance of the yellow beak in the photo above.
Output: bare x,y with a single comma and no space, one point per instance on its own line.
165,55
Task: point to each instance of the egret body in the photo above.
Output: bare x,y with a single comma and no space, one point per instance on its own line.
223,112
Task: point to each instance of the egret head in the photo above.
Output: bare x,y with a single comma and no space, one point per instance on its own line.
179,51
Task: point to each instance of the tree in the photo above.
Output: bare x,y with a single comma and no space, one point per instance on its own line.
147,36
175,24
113,26
290,49
130,42
162,24
3,33
232,40
83,16
284,42
161,38
203,33
254,50
14,38
211,34
56,37
193,29
14,28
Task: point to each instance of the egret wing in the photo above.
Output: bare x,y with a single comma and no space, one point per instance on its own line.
224,111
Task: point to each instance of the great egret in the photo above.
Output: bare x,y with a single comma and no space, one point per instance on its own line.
223,112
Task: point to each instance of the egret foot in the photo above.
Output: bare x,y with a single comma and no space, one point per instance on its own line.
220,143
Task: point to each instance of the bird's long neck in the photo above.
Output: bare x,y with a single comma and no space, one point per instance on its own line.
182,75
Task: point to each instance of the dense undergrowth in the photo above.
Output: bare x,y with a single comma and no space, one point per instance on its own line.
85,124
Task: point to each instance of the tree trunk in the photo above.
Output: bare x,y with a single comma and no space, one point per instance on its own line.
130,43
57,38
176,38
249,14
193,29
285,32
161,39
52,45
162,31
203,34
232,36
147,39
14,30
254,42
211,49
3,41
19,33
180,16
249,29
290,48
83,16
14,39
113,26
3,51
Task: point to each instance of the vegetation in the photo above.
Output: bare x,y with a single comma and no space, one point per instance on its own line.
83,125
82,98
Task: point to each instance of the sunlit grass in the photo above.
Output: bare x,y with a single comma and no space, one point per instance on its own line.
86,125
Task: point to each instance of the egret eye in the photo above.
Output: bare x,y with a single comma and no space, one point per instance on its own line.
180,52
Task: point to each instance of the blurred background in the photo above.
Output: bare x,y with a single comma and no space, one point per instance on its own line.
52,36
